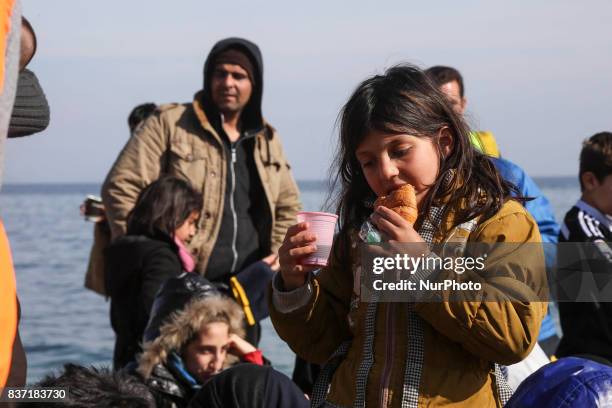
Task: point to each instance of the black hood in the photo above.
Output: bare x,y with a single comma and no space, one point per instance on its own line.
173,296
251,117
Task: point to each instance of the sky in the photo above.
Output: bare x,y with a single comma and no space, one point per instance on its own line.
537,74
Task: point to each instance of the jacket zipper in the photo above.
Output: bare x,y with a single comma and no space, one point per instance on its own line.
389,348
246,136
233,208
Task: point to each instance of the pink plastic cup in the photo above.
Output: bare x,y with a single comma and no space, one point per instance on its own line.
323,225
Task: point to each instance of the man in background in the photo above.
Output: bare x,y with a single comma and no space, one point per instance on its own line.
222,145
139,114
450,82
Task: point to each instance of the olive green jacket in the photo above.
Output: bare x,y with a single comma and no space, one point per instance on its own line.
460,340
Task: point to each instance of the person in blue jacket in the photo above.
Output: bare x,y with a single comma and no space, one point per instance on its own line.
450,82
541,210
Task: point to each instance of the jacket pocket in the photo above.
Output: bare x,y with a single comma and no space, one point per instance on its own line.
274,167
185,162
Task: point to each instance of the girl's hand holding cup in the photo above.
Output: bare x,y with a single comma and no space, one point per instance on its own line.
306,247
298,244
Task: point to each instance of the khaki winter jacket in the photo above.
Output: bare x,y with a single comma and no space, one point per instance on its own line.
460,340
180,140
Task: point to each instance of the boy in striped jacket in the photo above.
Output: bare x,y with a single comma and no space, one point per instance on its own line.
585,258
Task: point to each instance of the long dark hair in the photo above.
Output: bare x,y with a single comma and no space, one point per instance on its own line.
405,101
162,207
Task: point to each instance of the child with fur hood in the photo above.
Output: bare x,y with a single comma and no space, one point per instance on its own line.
194,333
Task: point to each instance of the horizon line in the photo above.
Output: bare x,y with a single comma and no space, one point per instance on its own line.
76,183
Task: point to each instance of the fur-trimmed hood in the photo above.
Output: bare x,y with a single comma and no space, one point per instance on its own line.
182,326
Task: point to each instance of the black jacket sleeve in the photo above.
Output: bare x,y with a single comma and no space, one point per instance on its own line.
158,266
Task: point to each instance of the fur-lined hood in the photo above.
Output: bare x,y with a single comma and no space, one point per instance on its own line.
182,326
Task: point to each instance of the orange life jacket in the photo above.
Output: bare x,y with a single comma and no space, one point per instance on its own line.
8,307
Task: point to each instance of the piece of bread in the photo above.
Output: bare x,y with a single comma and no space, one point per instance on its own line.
402,201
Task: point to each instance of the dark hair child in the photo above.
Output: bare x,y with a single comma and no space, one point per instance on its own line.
137,264
398,129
